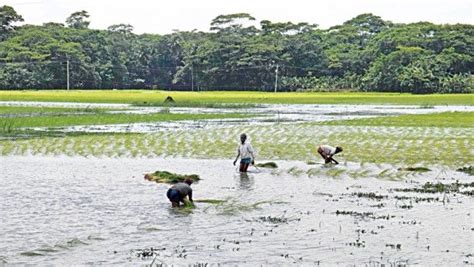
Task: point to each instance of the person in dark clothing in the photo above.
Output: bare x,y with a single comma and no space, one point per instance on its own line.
181,192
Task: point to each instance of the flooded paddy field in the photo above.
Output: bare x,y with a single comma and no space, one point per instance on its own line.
76,210
255,115
73,190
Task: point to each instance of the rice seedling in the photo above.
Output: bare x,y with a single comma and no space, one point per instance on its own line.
170,178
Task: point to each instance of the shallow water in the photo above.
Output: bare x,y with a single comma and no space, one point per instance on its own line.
65,210
265,114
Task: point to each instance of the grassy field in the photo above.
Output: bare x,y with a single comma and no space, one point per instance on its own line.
102,118
147,97
16,110
444,119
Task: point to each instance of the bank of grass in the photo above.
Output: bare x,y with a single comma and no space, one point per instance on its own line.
15,110
105,118
243,97
443,119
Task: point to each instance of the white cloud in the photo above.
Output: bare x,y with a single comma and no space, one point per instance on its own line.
164,16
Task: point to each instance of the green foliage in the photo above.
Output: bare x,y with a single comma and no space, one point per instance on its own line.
77,20
414,169
364,53
170,178
8,16
443,119
98,118
271,165
469,170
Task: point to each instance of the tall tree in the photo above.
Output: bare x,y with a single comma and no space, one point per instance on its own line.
78,20
8,17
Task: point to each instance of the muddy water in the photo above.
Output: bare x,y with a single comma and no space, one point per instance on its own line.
61,210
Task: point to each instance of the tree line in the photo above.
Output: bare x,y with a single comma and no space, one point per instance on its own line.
365,53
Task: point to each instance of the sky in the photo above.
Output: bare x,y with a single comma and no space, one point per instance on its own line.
162,17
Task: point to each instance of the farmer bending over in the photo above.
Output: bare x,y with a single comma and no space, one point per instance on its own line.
327,152
178,193
245,152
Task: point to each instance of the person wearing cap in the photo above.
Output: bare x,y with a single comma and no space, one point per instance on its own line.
179,193
327,152
246,154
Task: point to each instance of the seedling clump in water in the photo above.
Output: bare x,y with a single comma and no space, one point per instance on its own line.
170,178
271,165
210,201
369,195
469,170
414,169
432,188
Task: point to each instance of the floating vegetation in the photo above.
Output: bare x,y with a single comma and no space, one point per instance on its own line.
147,252
432,188
414,169
31,253
295,171
354,213
271,219
313,172
335,172
356,243
210,201
233,207
394,246
369,195
170,178
469,170
364,215
271,165
418,199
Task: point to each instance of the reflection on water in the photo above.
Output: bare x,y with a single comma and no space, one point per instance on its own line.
60,210
245,181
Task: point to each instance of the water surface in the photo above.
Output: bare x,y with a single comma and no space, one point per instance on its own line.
71,210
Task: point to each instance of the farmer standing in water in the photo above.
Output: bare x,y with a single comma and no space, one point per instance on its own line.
327,152
246,154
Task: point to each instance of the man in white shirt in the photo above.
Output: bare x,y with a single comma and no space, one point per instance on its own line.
246,154
327,152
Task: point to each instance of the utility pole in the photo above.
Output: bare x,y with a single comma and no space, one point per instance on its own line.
192,79
276,78
67,74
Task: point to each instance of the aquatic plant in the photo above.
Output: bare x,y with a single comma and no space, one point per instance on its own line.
438,187
469,170
442,119
170,178
414,169
232,206
271,219
210,201
370,215
370,195
295,171
271,165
